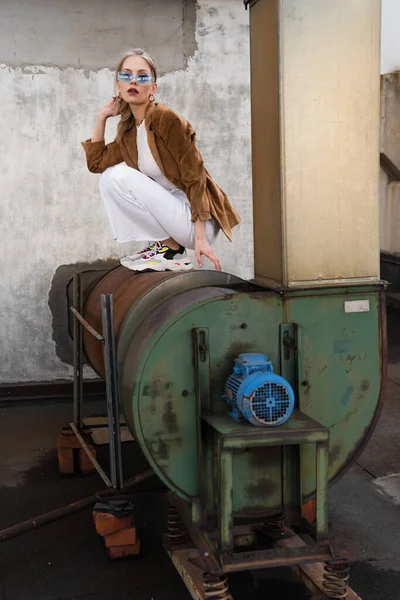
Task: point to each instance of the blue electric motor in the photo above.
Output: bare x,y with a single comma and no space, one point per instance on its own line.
254,392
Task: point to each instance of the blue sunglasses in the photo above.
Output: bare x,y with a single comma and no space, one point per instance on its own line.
140,78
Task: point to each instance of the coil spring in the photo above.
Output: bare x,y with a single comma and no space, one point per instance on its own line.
336,578
274,526
216,587
176,530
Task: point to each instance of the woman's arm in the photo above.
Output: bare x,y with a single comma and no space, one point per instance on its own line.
99,156
180,138
203,247
99,129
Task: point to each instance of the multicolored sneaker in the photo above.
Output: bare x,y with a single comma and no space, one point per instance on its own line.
158,258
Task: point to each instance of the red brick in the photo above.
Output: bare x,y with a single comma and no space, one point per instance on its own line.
309,511
123,537
115,552
68,439
107,524
65,460
85,465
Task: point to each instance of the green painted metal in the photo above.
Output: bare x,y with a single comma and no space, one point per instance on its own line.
230,436
288,341
225,494
339,371
291,483
336,365
322,491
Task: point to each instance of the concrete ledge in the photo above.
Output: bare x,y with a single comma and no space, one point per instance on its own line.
48,390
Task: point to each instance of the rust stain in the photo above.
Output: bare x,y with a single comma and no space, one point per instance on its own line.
365,385
160,449
262,489
169,418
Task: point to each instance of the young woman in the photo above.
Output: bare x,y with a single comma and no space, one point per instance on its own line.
154,183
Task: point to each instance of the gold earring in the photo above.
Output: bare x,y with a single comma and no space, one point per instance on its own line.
152,97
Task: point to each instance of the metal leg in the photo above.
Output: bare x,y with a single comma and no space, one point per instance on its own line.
113,411
322,490
78,355
225,466
291,490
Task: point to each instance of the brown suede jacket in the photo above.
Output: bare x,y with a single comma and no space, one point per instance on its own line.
172,142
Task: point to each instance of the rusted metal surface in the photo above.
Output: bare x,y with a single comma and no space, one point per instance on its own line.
312,575
281,557
185,561
127,287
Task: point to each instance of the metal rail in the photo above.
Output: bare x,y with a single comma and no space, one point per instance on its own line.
108,339
83,321
90,456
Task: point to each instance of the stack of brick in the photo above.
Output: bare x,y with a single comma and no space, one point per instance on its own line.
71,456
115,524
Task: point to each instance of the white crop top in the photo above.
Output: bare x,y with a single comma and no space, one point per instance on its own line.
146,162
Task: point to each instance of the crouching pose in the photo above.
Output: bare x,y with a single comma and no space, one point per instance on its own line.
154,184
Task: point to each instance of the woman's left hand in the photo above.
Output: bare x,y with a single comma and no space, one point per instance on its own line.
203,247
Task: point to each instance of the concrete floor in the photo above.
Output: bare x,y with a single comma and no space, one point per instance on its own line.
66,561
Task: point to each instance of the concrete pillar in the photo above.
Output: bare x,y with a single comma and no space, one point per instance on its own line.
390,220
315,136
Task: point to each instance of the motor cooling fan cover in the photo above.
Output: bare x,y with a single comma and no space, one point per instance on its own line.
256,393
267,399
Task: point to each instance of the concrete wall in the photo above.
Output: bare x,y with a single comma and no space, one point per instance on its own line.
55,71
390,125
390,59
390,145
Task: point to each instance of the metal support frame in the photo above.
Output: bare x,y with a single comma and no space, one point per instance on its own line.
220,557
78,354
189,563
307,432
111,378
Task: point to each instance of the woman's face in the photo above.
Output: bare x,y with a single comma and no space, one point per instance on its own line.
132,92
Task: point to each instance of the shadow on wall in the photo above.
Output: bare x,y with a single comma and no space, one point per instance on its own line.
60,297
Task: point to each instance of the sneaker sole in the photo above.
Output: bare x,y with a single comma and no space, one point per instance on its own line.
177,266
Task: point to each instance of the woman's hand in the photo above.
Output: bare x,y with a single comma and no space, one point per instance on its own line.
110,109
203,247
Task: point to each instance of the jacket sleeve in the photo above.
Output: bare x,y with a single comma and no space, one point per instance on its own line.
180,139
100,156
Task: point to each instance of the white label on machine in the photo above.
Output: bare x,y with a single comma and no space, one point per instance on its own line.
355,306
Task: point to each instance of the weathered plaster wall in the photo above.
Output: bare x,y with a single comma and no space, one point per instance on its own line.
55,74
390,124
92,34
390,145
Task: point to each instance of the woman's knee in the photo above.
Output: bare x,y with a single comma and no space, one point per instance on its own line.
113,177
121,176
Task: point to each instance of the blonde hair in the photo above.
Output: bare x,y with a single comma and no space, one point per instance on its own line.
127,119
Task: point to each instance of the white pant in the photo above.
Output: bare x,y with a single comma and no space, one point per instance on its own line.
139,209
